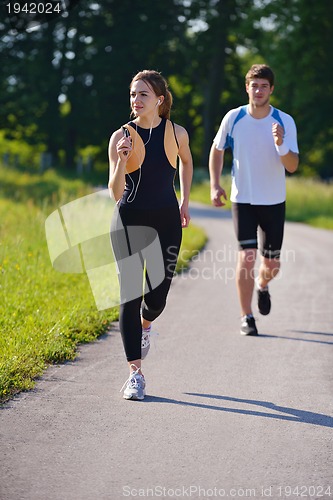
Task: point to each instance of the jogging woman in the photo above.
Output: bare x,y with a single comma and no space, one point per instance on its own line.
143,163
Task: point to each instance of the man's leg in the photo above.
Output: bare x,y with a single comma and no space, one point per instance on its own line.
268,269
246,224
245,279
271,231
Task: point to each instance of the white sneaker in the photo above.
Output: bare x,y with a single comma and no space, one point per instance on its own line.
147,336
135,385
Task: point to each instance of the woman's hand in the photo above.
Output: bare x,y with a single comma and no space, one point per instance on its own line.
124,148
120,148
184,215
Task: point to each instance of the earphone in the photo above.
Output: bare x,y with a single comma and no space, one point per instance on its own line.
158,102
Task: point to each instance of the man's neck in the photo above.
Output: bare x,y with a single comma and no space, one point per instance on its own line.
259,112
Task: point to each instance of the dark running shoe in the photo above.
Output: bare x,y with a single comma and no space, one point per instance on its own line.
264,301
248,326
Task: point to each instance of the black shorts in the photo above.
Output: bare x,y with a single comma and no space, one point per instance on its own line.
267,220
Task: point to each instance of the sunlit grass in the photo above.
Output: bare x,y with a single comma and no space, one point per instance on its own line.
44,314
194,238
310,201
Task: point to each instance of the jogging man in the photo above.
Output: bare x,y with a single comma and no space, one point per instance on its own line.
263,141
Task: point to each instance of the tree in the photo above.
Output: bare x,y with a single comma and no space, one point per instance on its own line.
213,75
296,39
66,84
70,78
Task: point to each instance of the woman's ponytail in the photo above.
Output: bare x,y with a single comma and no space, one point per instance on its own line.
165,107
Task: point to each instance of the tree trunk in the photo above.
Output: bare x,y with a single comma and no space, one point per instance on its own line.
216,76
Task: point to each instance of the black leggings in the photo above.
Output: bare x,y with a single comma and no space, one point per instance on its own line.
146,246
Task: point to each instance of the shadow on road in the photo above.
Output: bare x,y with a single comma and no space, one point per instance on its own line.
312,333
315,341
292,414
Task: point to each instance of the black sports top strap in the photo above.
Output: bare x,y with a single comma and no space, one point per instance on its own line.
174,131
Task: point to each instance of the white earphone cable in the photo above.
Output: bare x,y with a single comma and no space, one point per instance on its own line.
134,189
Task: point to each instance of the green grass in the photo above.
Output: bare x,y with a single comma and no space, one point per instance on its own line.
45,314
194,238
308,200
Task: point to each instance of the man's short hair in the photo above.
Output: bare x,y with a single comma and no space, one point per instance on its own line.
260,71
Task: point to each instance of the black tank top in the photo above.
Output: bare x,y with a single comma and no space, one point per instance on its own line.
151,168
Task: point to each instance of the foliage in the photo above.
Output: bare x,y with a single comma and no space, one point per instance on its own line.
65,86
15,151
298,44
77,60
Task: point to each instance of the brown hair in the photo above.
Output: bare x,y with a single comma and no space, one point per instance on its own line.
159,85
260,71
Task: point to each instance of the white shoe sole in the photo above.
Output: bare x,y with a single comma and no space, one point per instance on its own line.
134,397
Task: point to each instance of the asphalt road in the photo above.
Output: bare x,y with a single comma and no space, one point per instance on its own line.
226,416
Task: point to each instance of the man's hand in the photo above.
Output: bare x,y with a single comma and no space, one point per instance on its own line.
215,195
278,133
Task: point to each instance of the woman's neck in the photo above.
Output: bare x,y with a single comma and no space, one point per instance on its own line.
148,122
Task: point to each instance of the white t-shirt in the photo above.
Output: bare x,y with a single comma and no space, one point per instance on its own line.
258,175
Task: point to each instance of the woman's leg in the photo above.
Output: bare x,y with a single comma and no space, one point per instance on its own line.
130,306
168,226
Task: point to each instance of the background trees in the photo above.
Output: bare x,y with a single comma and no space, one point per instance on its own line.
65,85
299,45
